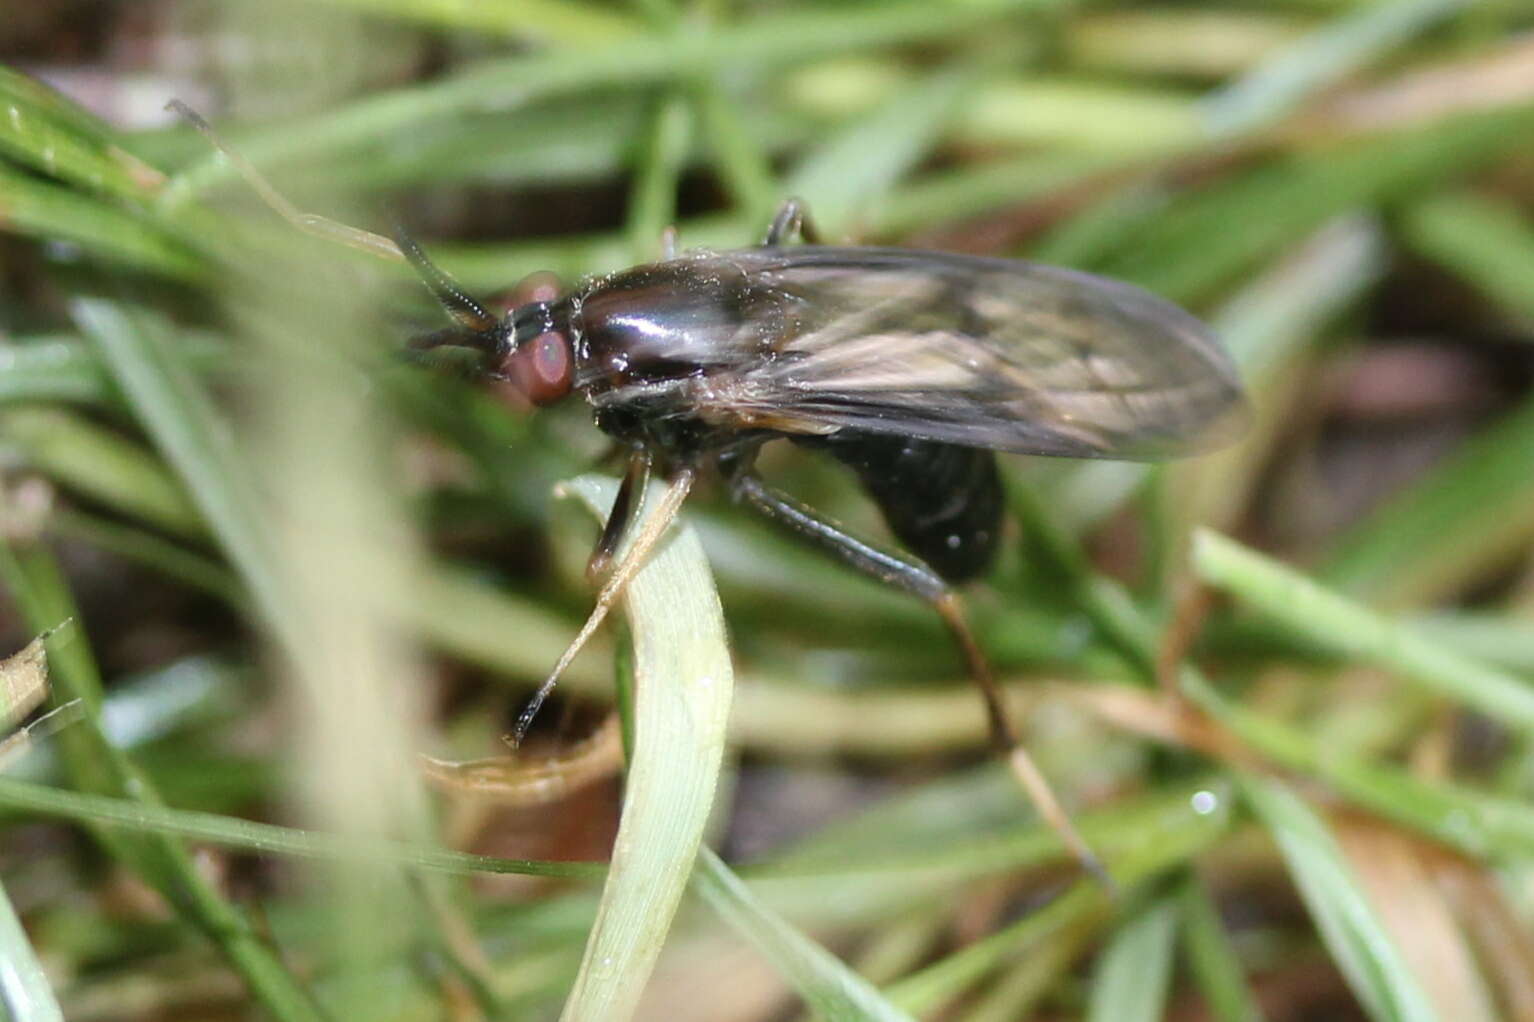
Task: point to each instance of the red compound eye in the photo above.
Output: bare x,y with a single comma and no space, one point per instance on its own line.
541,368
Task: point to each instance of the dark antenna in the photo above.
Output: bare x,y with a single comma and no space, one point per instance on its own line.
464,310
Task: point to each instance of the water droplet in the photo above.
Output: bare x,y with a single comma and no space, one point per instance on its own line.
1204,802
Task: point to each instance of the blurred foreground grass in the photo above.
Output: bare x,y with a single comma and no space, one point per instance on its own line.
293,566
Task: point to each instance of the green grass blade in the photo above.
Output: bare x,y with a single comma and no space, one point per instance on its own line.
1213,961
1480,825
853,170
1192,246
101,465
1155,850
1352,630
266,838
683,682
950,195
33,95
144,547
46,132
53,369
662,157
25,994
1470,514
1135,970
63,368
96,765
153,373
574,24
55,213
738,150
1356,937
763,43
1488,242
832,990
1281,82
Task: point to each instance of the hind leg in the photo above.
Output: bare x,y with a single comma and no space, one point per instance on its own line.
914,577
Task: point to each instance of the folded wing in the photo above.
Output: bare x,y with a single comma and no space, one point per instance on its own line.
991,353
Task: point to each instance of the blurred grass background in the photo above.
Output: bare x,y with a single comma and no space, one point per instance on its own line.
292,565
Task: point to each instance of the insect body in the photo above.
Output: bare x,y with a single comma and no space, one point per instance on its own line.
911,368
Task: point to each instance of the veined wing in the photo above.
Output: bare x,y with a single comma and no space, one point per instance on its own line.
993,353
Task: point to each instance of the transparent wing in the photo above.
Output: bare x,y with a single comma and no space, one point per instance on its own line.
979,352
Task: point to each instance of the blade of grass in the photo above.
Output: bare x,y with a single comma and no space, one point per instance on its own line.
1209,41
53,369
1353,932
652,197
852,170
1188,248
46,132
16,87
1326,56
683,682
1135,969
1352,630
155,377
978,188
63,216
573,24
96,765
25,994
652,58
266,838
1156,852
1466,516
1488,242
1213,961
101,465
1012,111
1478,824
62,368
1403,878
829,987
144,547
738,150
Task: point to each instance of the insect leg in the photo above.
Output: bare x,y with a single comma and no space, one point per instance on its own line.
921,581
627,506
654,528
792,219
309,223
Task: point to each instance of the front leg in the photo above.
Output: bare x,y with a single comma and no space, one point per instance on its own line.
626,508
793,219
912,576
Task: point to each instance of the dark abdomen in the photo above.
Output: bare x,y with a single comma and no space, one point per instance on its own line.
943,502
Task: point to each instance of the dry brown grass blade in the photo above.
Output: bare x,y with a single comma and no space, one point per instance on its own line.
1397,871
1504,945
522,781
1503,77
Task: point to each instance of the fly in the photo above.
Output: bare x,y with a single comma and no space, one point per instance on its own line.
911,368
